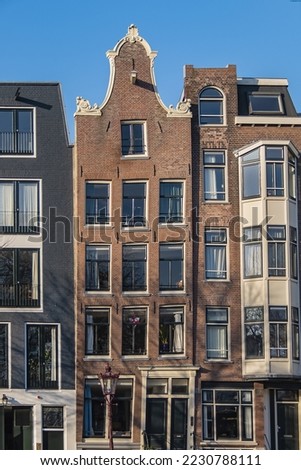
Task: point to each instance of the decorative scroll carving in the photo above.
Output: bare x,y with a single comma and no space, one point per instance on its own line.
83,106
133,34
182,108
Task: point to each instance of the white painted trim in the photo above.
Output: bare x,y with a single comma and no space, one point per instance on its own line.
268,120
262,81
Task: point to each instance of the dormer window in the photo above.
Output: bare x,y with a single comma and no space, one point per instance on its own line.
260,103
16,132
211,107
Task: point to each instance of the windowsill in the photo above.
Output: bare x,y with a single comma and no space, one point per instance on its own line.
97,357
172,293
172,224
21,309
213,125
103,226
217,280
98,293
229,443
161,357
216,201
135,357
135,229
218,361
17,156
136,294
135,157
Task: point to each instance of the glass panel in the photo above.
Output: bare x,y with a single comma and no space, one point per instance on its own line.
265,104
97,267
178,423
97,331
156,418
274,153
97,203
251,180
211,93
278,314
254,340
156,386
171,334
179,386
134,267
226,396
134,331
52,417
227,422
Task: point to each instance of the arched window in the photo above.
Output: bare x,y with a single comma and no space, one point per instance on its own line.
211,107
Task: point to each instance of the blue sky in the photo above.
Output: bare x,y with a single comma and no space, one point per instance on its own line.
66,41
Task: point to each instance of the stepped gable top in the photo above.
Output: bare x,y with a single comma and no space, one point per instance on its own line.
85,108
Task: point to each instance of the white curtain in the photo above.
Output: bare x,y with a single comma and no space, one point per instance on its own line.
7,204
252,256
28,204
216,261
90,334
35,276
248,422
217,341
210,183
178,334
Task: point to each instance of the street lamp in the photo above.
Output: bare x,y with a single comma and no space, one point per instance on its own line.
4,400
108,382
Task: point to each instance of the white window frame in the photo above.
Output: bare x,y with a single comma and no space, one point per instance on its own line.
215,166
226,251
34,131
106,224
143,155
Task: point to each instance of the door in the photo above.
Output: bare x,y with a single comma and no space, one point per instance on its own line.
16,428
179,423
156,423
287,426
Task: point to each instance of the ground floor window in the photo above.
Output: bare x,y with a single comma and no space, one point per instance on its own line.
95,409
53,427
227,415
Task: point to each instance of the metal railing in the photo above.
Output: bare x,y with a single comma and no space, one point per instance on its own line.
16,143
19,295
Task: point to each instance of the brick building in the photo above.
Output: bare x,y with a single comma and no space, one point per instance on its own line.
187,260
37,354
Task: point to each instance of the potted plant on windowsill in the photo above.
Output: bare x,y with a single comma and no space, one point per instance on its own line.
163,340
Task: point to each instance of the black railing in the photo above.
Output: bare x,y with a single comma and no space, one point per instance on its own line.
19,295
19,222
16,143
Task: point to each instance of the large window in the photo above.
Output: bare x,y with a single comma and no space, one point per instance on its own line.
133,138
98,267
254,332
134,324
211,107
42,356
16,131
97,331
274,171
278,331
95,410
260,103
171,202
97,203
134,267
217,333
214,175
53,427
227,415
276,250
3,355
252,237
216,251
171,266
19,278
171,330
251,174
295,334
19,210
134,204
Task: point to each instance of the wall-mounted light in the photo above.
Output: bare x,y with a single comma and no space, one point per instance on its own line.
4,400
133,76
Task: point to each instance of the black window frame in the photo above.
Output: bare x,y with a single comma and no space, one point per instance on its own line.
133,141
171,267
211,97
134,267
101,203
42,370
17,293
134,331
166,198
18,215
15,141
101,280
137,201
97,331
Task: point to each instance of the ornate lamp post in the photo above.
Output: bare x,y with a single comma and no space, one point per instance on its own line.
108,382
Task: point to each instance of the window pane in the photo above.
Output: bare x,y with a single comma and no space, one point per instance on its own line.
254,340
171,333
97,268
252,260
134,331
3,356
97,331
265,104
217,347
171,267
251,180
227,422
42,356
171,202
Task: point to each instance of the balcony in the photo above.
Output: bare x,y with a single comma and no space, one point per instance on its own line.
19,295
19,222
16,143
